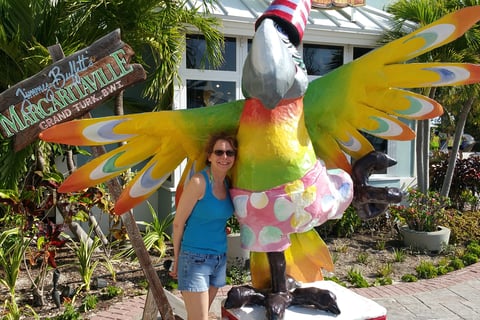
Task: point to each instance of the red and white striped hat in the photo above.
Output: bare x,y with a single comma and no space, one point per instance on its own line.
291,15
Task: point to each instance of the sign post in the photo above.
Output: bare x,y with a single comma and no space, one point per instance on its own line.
69,89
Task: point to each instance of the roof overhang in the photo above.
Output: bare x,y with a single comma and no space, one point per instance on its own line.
356,25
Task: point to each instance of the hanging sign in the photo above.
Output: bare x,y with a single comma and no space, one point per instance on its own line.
331,4
67,89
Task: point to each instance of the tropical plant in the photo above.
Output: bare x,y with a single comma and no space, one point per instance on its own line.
69,314
399,255
87,263
113,291
356,278
48,241
156,232
89,302
236,275
155,29
12,250
465,182
423,212
426,270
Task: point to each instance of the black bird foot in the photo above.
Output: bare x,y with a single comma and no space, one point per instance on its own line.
238,297
276,304
319,298
372,201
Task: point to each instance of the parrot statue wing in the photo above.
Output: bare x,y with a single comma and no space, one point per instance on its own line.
161,140
369,94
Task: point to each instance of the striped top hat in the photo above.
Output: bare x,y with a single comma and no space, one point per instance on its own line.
290,15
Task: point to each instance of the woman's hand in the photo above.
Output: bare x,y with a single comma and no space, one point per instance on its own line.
173,269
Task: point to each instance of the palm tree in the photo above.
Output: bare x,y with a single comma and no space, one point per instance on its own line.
155,29
423,12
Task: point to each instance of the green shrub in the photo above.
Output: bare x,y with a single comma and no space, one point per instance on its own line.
113,291
380,245
344,227
470,258
464,227
362,257
237,275
474,247
426,270
442,270
356,278
385,270
465,180
68,314
89,302
383,281
399,255
409,278
456,263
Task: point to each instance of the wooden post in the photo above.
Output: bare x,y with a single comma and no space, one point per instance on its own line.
155,285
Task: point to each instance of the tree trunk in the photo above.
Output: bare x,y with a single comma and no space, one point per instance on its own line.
462,120
118,108
96,228
70,163
419,157
423,149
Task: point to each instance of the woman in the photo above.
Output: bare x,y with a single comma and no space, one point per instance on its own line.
199,235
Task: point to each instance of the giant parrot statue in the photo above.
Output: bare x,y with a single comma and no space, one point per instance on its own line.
292,173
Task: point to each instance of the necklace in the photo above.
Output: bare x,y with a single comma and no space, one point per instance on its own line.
210,176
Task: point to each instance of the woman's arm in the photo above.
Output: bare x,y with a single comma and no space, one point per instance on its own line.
193,192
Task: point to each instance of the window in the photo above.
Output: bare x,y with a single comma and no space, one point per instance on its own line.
195,54
201,93
358,52
321,59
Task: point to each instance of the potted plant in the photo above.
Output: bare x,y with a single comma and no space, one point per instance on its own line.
236,255
421,220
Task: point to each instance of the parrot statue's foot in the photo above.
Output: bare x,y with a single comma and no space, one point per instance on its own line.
276,303
319,298
241,296
372,201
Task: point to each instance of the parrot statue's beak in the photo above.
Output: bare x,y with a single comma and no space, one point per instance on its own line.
269,71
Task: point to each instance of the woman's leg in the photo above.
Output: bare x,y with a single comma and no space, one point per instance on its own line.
212,292
197,304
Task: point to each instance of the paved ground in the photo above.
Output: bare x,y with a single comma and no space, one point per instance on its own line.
450,297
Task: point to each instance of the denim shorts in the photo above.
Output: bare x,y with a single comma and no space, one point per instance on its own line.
198,271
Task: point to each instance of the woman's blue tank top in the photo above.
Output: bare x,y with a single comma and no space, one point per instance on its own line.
205,228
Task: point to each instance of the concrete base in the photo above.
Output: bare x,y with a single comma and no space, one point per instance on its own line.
352,307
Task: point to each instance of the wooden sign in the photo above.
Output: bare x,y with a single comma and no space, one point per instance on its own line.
331,4
67,89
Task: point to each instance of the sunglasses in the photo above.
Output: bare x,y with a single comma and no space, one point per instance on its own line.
229,153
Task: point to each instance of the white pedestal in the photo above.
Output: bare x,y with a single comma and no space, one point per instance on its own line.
352,307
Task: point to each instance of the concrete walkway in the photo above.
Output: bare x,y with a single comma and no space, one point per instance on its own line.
453,296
